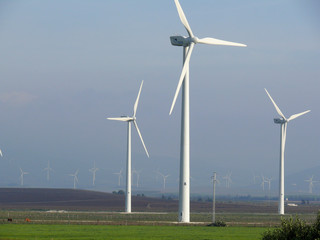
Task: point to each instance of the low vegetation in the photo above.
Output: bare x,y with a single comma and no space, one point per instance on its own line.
84,232
294,229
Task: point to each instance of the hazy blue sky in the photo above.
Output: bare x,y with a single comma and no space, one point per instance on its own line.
67,65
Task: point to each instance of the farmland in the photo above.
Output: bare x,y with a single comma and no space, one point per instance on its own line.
80,214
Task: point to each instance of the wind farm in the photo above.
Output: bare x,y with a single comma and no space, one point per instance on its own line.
71,72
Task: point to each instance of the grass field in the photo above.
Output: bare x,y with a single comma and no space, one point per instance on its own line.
42,231
112,218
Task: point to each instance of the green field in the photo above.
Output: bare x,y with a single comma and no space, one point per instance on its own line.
42,231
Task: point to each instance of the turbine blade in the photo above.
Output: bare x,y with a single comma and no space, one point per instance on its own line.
123,119
183,73
137,101
297,115
214,41
275,105
1,153
183,18
136,125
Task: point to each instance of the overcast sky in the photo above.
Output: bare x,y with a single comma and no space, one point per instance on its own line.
67,65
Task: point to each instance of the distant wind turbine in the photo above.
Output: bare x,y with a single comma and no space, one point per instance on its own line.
75,178
48,169
188,44
164,177
283,121
137,175
119,176
22,173
228,179
268,180
255,178
310,180
94,170
134,121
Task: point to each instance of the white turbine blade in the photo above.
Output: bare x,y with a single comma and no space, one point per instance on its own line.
183,18
275,105
137,101
1,153
183,73
297,115
214,41
136,125
123,119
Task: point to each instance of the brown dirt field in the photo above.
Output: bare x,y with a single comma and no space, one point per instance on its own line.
83,200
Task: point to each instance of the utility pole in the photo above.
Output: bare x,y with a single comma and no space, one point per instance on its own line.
214,178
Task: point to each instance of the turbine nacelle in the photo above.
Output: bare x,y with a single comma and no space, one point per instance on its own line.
279,120
183,41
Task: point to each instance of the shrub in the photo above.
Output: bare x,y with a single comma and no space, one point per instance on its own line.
218,223
294,229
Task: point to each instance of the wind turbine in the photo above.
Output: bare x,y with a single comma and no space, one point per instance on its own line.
75,178
228,179
129,120
188,44
164,177
119,176
283,121
138,176
310,183
22,173
263,182
268,180
254,178
48,169
93,170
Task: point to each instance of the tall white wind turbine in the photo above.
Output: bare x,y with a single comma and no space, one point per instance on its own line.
22,173
283,121
188,44
75,178
129,120
94,170
48,169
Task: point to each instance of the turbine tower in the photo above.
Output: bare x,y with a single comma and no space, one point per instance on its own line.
48,169
310,180
22,173
283,121
75,178
93,170
188,44
119,176
129,120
